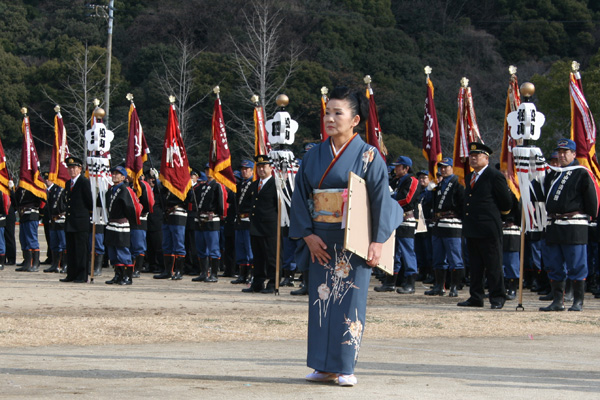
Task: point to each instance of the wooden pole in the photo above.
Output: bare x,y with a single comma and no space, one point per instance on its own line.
278,259
521,259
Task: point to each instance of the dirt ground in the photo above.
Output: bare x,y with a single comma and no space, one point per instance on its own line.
174,339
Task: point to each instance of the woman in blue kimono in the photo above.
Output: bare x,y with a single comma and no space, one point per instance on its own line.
338,280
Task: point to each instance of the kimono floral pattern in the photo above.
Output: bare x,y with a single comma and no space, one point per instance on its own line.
336,284
368,157
355,330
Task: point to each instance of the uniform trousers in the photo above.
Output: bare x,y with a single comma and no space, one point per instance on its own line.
405,250
447,252
533,254
511,264
57,240
28,235
566,261
154,254
485,257
9,236
99,243
2,242
138,242
264,249
592,251
423,249
77,254
173,239
289,249
208,244
243,249
119,256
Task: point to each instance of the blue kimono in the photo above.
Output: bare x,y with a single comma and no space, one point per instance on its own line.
338,290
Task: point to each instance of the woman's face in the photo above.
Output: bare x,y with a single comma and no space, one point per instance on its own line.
339,119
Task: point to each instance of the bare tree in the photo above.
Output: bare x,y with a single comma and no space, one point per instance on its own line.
178,80
259,57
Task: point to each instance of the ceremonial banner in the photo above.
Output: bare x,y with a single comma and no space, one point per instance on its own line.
507,160
324,100
59,174
29,173
261,142
432,147
374,135
4,178
583,127
357,235
174,166
220,157
466,131
98,140
137,149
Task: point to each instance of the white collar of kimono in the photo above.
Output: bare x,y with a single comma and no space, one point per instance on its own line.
334,150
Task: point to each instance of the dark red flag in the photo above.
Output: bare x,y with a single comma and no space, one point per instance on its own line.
59,174
174,166
432,147
29,173
137,149
220,158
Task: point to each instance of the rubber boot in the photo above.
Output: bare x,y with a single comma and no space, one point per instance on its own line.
544,283
243,275
62,267
98,260
127,275
569,290
214,270
578,294
303,291
388,284
166,274
26,261
35,261
178,266
56,255
456,277
558,292
137,265
408,287
118,276
511,289
2,261
439,287
288,278
203,270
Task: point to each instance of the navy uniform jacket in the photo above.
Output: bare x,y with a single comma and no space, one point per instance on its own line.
571,200
175,209
448,198
147,202
263,218
484,205
121,215
407,195
79,205
511,227
212,202
28,205
244,204
56,207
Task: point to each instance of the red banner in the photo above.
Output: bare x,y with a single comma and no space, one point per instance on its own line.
4,178
29,173
324,134
432,147
583,127
137,149
174,166
466,131
59,174
374,135
507,161
220,157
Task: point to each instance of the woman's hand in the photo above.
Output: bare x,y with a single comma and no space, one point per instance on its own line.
317,249
374,254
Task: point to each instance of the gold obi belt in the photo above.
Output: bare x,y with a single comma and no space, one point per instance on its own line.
328,205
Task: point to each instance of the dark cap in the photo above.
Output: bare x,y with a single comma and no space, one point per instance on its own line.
119,169
74,162
247,164
194,172
403,160
566,144
422,172
446,162
478,147
262,159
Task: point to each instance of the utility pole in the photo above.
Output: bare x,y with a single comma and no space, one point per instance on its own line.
107,12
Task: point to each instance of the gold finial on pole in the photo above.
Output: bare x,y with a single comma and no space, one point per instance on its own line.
368,80
464,82
171,99
129,97
24,110
216,90
324,91
427,70
282,100
96,102
57,109
527,90
512,70
255,99
575,66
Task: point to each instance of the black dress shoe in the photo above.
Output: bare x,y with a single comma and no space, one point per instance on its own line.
497,306
66,279
79,281
252,289
268,289
470,303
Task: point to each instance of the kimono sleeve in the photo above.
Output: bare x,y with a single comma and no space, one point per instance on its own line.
386,213
301,224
